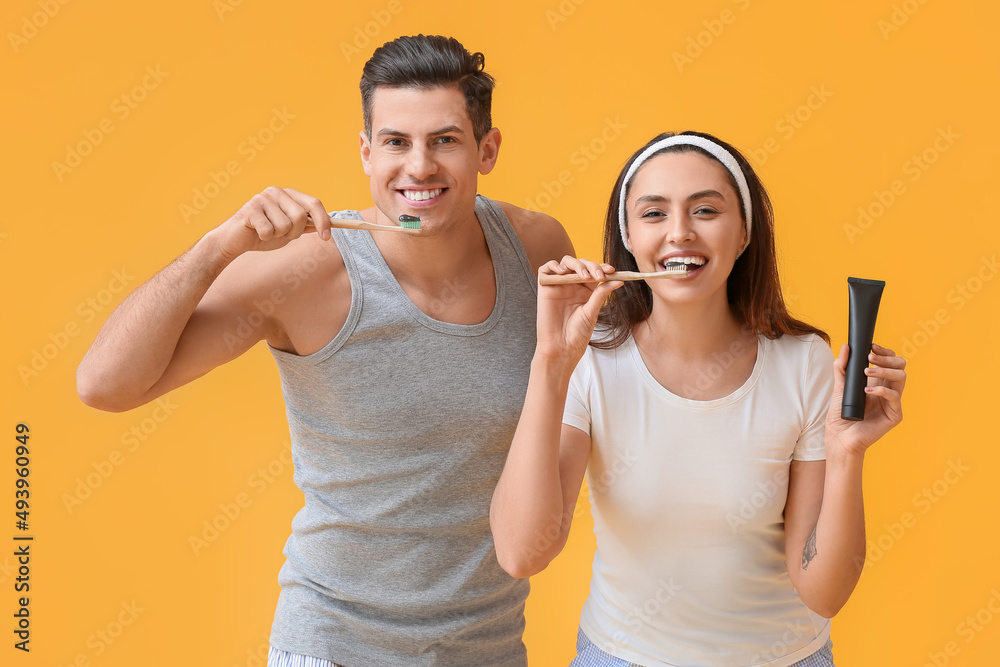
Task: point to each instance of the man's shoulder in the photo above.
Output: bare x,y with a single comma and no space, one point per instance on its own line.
542,236
528,222
308,260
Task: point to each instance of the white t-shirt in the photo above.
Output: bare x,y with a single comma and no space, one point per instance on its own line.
687,498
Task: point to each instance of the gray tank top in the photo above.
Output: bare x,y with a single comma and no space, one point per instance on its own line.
400,427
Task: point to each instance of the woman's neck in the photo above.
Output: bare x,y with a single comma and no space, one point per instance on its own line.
696,351
694,331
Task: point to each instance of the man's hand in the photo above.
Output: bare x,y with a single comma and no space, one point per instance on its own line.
270,220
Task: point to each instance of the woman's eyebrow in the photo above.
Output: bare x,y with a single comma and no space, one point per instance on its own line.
706,193
651,198
715,194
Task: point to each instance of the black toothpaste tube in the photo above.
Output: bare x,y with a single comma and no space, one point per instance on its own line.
865,297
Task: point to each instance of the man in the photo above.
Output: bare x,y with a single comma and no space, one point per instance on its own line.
403,360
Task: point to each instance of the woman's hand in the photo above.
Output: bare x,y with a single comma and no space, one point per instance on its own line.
883,401
567,313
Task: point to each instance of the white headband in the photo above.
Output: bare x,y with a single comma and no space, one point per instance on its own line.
714,149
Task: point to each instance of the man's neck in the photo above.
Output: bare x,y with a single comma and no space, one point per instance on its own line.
425,261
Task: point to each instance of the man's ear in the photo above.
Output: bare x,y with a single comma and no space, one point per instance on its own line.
366,152
489,149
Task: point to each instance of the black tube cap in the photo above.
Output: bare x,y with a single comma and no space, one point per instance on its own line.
854,413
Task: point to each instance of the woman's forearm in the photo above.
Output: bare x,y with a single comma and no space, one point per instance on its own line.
527,513
834,555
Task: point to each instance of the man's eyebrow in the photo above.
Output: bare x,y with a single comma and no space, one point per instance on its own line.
447,129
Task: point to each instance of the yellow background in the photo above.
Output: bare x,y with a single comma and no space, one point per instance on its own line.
833,99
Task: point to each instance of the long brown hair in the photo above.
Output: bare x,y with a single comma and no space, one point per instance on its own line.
753,288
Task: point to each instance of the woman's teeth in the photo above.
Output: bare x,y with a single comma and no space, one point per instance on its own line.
422,195
691,262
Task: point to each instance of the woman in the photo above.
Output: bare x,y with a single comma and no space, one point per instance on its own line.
725,487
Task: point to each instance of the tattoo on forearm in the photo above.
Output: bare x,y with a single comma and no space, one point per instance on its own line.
809,551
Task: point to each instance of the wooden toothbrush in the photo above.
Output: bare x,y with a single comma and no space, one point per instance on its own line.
673,270
409,224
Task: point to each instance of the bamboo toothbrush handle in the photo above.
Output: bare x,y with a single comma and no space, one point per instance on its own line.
571,278
360,224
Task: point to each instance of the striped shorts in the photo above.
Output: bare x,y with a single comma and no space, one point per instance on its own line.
278,658
589,655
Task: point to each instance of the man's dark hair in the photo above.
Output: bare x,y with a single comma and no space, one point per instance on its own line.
430,61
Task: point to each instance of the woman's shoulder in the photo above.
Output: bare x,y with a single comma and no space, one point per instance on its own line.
805,349
802,343
604,356
608,344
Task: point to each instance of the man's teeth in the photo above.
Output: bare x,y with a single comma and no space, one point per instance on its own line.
422,195
692,262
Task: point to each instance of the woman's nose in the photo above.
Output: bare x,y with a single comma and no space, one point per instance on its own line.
679,228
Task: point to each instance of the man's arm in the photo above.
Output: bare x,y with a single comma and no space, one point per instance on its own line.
174,327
